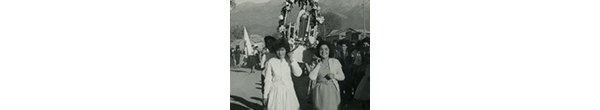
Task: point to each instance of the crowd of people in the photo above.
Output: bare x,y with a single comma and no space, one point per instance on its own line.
239,58
339,73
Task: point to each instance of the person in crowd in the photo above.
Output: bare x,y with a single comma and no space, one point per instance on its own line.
279,87
242,57
356,54
265,56
268,54
231,57
342,52
346,85
259,55
238,55
269,51
253,59
335,43
362,93
269,42
336,50
327,73
356,63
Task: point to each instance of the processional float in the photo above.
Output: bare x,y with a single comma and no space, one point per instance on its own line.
301,35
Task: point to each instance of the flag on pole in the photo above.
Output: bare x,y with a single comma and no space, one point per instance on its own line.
247,42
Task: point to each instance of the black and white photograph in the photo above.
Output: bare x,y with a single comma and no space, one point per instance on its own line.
299,55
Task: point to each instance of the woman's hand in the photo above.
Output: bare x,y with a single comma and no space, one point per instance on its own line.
330,76
290,56
318,60
265,101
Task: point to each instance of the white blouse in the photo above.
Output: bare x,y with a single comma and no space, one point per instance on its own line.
279,71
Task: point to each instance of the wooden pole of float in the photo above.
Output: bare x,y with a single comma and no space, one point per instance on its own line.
364,21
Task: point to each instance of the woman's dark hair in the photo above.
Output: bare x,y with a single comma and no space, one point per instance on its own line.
336,42
340,42
269,39
360,45
280,44
321,43
269,42
366,40
357,44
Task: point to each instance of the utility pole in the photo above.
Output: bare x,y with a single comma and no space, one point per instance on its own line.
324,33
364,20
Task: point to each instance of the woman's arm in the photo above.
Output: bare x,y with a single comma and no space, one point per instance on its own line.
262,61
267,81
296,70
339,75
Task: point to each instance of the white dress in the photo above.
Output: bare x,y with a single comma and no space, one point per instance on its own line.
279,88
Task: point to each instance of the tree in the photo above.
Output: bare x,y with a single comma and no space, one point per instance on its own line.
332,22
236,32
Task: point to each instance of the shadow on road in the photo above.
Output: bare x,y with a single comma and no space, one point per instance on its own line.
233,106
237,71
256,98
260,86
245,102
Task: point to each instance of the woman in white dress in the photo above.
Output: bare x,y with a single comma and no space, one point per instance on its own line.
279,88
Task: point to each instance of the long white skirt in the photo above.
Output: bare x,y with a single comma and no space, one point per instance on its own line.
282,97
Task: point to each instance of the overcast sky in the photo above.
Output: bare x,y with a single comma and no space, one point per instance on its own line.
256,1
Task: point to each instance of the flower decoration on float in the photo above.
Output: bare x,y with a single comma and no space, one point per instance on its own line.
313,17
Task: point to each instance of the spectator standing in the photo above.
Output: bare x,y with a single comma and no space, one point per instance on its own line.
363,89
231,57
347,85
253,59
238,56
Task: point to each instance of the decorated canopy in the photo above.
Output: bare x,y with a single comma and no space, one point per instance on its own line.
301,35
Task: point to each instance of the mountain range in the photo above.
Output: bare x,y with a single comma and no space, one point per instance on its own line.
261,18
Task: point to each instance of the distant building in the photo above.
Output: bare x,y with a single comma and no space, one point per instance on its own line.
350,34
335,35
